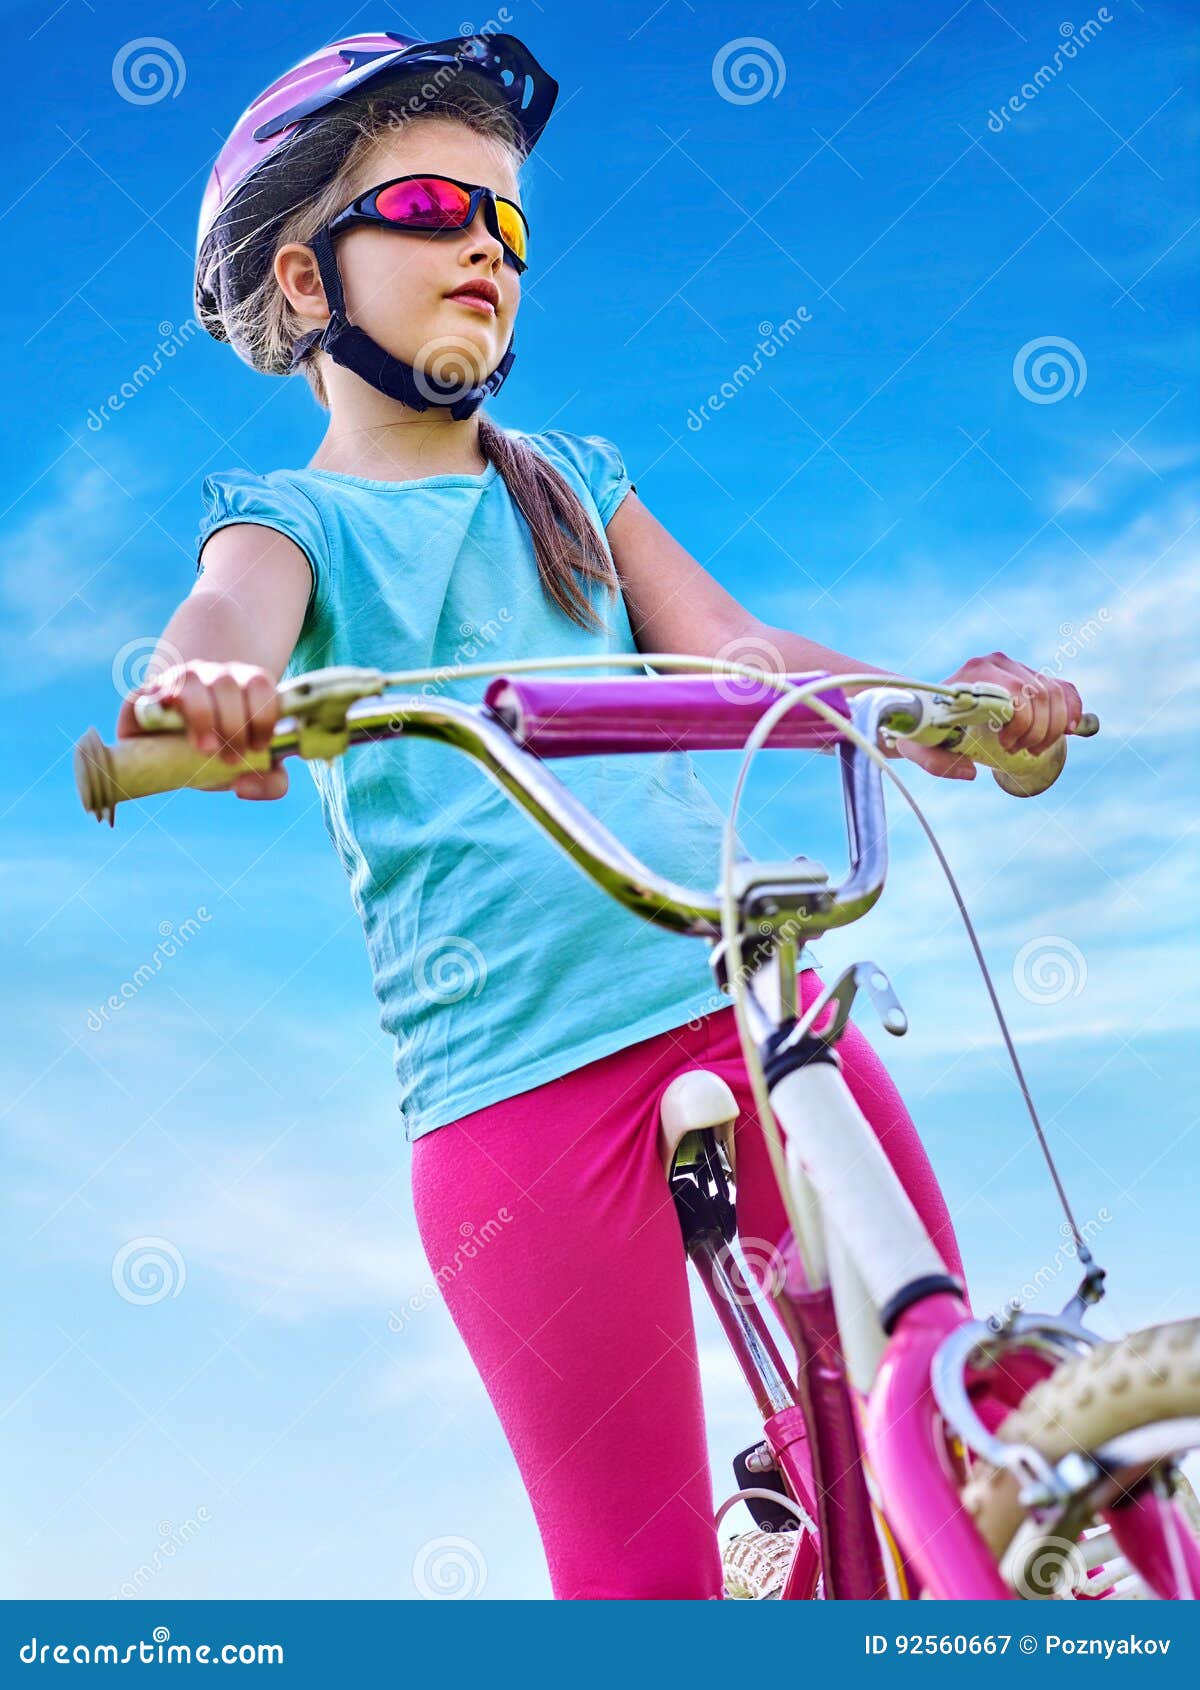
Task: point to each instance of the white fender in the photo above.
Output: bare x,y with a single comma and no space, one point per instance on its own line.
830,1143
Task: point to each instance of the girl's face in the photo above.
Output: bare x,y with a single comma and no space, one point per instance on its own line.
399,285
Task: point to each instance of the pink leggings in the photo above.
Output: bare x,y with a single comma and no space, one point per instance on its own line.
575,1306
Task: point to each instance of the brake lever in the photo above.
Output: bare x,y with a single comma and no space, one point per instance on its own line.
317,701
969,719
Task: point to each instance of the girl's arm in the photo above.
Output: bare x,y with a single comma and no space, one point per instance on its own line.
675,605
220,656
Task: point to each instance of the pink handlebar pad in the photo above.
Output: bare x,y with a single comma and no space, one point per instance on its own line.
577,718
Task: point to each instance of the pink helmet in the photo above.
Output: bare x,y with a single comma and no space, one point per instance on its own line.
283,147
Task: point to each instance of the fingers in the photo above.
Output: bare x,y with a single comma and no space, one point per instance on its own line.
272,783
165,687
1044,709
1074,706
228,709
1031,717
1042,714
262,711
231,722
948,765
128,725
1056,700
245,711
188,693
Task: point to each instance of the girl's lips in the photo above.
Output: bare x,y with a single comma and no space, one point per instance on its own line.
475,301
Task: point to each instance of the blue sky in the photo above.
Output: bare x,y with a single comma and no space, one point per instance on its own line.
893,481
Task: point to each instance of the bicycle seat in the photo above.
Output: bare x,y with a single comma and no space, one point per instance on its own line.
694,1101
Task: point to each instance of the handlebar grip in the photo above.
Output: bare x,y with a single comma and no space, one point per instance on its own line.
596,716
139,767
1019,772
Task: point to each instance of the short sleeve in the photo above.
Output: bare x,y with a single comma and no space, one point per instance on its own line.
601,466
238,496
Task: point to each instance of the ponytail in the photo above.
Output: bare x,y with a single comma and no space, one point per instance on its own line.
565,541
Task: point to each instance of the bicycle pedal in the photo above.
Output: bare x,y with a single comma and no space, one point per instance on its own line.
756,1564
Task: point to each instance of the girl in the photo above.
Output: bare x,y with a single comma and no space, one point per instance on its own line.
363,225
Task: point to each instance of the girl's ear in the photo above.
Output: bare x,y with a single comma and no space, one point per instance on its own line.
299,277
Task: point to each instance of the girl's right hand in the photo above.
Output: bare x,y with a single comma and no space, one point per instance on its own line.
228,709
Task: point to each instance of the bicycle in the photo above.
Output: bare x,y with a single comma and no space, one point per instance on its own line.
913,1450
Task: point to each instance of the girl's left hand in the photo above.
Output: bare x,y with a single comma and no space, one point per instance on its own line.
1043,711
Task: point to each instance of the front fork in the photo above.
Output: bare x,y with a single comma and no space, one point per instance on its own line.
813,1440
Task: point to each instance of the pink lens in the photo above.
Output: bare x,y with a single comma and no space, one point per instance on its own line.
426,202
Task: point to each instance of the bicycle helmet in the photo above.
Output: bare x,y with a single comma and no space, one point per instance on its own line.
282,150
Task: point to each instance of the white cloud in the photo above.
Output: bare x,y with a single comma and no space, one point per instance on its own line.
60,613
1106,859
292,1239
434,1378
312,1242
1111,476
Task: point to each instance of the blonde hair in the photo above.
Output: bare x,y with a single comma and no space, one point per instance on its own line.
265,325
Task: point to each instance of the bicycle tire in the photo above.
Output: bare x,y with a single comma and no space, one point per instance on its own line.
1112,1389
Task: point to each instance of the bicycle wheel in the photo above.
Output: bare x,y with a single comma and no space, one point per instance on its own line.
1141,1380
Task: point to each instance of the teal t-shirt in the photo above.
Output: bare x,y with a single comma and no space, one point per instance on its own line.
497,964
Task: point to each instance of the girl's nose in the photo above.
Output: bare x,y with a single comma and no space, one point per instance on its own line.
482,238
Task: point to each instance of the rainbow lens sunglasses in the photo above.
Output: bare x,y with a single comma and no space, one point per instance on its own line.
433,204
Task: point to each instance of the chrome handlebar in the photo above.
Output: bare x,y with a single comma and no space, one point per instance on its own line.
164,761
334,708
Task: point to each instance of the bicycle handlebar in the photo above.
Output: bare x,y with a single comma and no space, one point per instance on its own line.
521,722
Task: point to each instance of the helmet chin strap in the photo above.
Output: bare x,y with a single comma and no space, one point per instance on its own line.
354,350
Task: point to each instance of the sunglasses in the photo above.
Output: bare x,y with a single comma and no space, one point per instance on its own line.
431,205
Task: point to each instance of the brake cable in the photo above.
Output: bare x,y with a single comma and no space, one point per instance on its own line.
1092,1286
1093,1274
